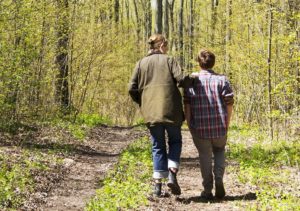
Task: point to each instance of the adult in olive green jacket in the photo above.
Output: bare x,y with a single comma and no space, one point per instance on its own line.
154,87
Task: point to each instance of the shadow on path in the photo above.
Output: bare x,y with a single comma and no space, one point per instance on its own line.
190,162
65,148
197,199
70,148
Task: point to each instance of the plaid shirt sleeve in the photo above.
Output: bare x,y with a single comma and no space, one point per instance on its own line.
227,93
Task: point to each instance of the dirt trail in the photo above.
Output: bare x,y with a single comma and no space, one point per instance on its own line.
90,161
88,167
190,180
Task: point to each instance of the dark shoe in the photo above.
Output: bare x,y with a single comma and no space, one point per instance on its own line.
173,184
207,196
157,189
220,191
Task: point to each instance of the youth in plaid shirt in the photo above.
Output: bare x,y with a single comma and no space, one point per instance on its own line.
208,108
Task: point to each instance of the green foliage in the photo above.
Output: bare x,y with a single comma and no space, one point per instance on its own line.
275,187
139,121
16,179
98,74
245,133
83,123
268,166
251,148
13,181
78,131
277,154
127,186
12,127
92,120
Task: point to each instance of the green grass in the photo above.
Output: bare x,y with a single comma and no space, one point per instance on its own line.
16,176
82,124
270,166
273,154
127,186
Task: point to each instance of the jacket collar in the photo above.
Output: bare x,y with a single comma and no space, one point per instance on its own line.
151,52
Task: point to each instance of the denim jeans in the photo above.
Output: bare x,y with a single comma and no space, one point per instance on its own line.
163,160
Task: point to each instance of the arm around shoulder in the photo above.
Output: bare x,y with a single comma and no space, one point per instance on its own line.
183,80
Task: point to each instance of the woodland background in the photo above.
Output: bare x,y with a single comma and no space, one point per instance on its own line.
66,58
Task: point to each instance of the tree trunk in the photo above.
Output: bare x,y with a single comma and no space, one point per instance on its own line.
214,4
84,89
171,35
127,15
62,87
138,22
269,70
147,19
41,60
180,32
12,95
157,8
191,35
166,18
117,9
294,8
228,37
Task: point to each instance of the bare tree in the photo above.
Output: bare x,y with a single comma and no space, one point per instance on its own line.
138,21
117,10
294,8
173,38
166,18
191,34
62,87
269,69
157,8
180,31
214,5
147,18
228,36
12,95
41,58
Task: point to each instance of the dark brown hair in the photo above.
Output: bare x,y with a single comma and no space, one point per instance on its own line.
206,59
156,40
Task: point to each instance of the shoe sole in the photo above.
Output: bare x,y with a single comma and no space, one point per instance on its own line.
175,189
208,197
220,191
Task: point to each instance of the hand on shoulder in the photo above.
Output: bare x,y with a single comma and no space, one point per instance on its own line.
195,74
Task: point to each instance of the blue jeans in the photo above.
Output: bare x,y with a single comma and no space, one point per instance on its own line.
162,160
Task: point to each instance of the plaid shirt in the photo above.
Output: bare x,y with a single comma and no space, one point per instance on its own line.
208,100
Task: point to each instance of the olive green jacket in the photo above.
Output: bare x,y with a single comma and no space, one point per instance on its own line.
154,87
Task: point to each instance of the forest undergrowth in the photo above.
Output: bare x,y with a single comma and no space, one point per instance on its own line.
270,168
33,157
127,186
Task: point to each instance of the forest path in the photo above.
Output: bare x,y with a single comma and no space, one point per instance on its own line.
90,161
189,178
88,167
